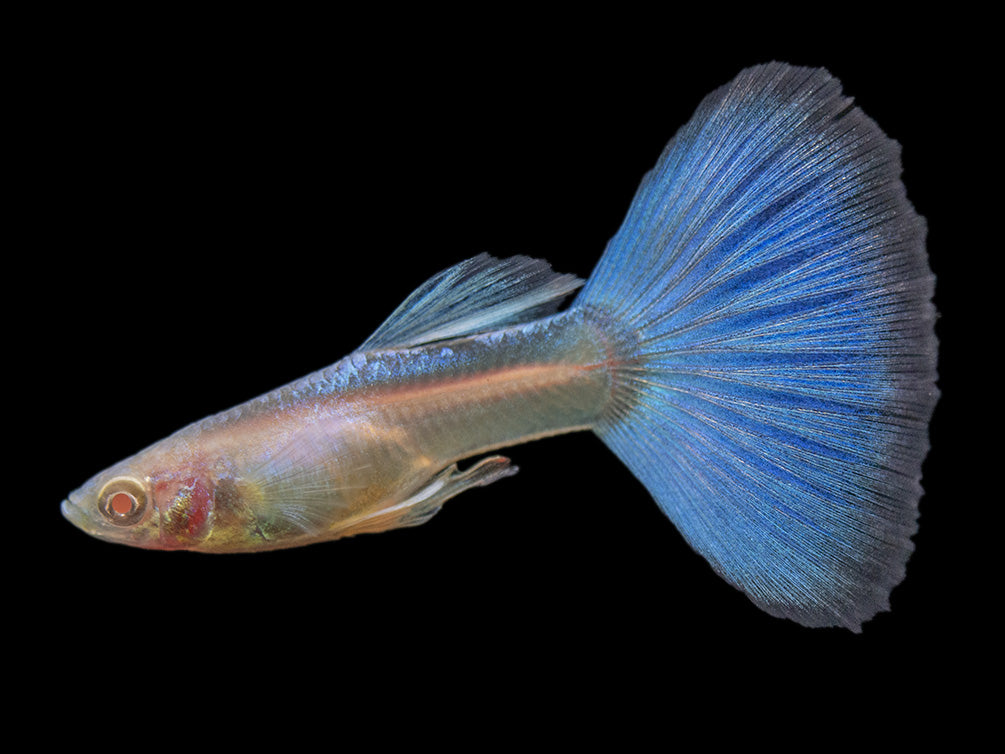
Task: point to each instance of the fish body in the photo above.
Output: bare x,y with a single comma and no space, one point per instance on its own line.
367,444
756,344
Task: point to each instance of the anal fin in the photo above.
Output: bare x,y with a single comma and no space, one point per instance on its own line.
426,501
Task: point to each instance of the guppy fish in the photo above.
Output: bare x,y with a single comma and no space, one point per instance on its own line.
756,344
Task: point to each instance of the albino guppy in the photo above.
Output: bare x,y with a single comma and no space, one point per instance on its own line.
756,344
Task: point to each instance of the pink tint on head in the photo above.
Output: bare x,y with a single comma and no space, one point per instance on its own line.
200,505
185,507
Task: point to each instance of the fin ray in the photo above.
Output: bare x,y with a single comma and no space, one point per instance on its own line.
479,294
294,491
774,277
427,501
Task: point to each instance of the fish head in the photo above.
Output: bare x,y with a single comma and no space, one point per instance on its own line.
132,505
117,506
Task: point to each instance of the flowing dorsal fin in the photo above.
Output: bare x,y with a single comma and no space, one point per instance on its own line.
479,294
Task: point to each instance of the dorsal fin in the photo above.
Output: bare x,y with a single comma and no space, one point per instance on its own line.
479,294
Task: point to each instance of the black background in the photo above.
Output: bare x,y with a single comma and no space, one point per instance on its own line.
228,209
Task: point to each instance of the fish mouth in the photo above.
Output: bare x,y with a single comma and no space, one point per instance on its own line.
72,513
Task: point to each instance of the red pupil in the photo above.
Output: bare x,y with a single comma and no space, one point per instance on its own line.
121,503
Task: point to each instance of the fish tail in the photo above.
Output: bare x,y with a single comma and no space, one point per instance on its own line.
771,296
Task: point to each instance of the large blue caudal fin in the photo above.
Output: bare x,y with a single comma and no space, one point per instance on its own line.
772,287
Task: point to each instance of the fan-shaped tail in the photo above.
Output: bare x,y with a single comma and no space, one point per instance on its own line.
772,282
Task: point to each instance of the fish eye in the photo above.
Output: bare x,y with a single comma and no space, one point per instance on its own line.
122,501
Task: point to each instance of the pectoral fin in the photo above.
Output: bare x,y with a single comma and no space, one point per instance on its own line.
425,502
